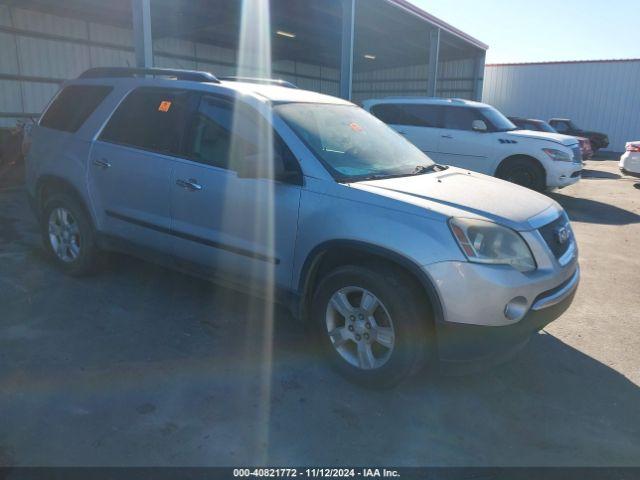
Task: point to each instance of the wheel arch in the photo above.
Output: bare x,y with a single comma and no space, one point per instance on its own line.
523,156
48,185
334,253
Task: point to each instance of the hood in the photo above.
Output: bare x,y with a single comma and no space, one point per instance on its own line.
459,193
565,140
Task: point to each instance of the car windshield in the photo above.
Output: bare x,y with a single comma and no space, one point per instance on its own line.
545,127
351,143
498,120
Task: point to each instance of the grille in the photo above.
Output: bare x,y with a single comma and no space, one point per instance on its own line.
550,233
577,154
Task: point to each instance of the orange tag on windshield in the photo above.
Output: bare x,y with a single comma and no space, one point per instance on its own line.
164,106
355,127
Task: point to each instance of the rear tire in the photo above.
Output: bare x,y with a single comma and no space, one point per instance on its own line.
524,172
374,324
68,235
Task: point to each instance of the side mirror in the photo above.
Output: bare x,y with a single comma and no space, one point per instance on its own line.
479,126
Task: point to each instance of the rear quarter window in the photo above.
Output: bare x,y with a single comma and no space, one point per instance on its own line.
72,106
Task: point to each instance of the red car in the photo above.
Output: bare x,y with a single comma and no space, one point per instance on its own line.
542,126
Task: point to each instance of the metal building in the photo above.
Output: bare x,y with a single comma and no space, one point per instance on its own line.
353,48
602,95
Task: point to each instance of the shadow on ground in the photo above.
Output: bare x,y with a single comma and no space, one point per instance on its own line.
593,211
599,174
140,365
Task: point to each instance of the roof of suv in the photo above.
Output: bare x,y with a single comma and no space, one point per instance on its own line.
262,88
425,101
275,93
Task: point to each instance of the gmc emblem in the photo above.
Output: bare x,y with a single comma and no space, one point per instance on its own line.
562,234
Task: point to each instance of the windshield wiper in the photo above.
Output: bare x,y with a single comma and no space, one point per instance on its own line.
418,170
434,167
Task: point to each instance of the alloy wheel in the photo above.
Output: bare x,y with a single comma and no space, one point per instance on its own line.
360,328
64,234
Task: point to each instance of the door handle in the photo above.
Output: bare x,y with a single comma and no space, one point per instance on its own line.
446,136
192,184
102,163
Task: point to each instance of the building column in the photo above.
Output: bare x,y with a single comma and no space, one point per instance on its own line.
142,42
434,54
478,76
346,55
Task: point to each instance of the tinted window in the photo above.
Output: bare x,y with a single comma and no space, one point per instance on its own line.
149,118
224,133
409,114
561,127
461,118
72,107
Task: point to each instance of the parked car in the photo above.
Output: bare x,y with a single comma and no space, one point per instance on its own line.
630,160
542,126
478,137
567,127
397,260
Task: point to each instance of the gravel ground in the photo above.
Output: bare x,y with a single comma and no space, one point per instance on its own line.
144,366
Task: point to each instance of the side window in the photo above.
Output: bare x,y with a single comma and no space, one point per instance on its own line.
426,115
561,127
408,114
72,107
392,114
461,118
224,133
150,119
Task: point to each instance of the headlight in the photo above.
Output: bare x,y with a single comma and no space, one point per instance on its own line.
558,155
487,242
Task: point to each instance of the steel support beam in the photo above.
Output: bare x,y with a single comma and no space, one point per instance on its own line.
346,55
434,54
142,41
478,76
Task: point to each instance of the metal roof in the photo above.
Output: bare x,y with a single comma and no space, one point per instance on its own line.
563,62
415,10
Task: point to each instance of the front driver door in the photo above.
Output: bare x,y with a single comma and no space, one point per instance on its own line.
463,147
242,230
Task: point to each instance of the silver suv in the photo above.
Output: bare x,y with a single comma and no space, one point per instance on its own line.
399,262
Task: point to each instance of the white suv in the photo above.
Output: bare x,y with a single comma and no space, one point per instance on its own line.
478,137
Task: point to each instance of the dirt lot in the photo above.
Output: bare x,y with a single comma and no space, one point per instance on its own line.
143,366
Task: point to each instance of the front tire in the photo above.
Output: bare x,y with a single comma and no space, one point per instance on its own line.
68,235
523,172
374,324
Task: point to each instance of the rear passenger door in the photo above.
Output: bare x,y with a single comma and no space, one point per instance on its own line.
130,166
463,147
418,123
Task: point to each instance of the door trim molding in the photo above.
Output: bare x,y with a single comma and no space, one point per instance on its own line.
194,238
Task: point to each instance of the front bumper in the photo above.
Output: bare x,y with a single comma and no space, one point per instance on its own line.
563,176
460,343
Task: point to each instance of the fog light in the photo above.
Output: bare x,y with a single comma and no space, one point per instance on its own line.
516,308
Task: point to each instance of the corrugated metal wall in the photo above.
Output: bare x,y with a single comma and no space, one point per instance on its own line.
455,80
601,96
38,51
390,82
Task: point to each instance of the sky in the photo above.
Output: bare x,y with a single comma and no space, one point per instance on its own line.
544,30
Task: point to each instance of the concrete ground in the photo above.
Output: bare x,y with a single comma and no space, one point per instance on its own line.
144,366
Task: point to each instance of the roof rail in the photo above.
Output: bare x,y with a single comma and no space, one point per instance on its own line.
265,81
125,72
